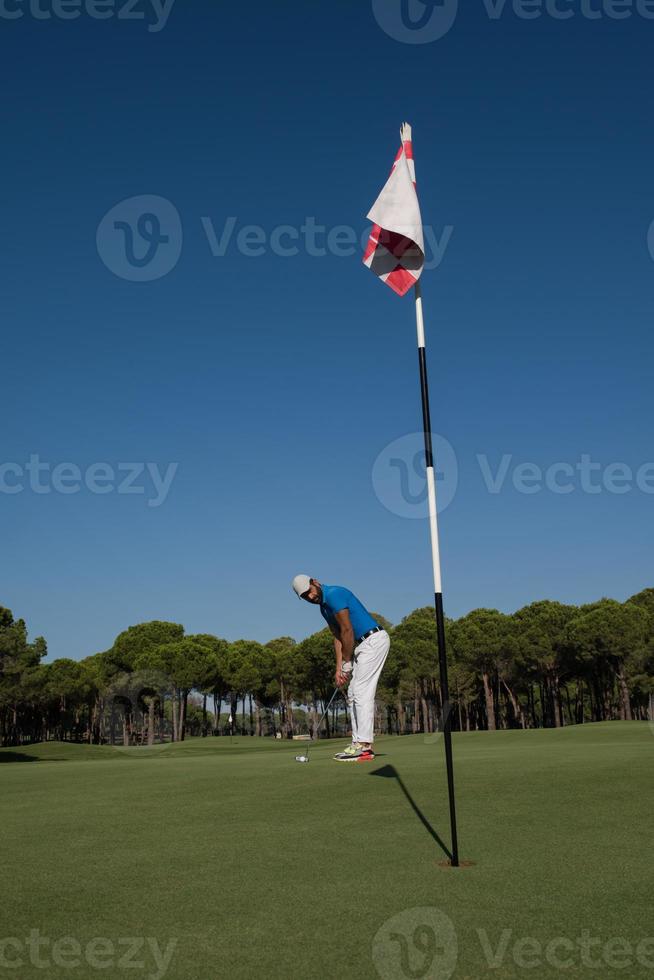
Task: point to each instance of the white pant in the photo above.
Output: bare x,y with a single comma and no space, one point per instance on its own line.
369,658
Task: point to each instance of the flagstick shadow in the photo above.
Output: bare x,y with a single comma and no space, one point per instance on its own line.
390,772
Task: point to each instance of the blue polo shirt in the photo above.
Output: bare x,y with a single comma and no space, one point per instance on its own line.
335,598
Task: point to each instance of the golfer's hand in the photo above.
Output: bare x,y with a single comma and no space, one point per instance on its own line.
341,678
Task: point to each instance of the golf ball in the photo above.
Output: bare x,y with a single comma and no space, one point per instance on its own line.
301,758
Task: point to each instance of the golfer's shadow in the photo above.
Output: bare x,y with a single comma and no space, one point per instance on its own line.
390,772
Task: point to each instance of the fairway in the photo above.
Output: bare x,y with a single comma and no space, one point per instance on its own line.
259,867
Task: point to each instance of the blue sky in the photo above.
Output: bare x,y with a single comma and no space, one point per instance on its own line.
274,382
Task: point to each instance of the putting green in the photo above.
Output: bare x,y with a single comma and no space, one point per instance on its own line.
252,865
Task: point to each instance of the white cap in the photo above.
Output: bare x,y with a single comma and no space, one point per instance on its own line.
301,584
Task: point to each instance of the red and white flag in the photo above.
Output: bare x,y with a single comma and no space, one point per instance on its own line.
396,247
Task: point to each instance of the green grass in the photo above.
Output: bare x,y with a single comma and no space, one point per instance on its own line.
263,868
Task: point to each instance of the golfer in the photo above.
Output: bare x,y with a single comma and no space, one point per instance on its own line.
361,647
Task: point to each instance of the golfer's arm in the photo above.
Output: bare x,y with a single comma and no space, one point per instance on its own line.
345,636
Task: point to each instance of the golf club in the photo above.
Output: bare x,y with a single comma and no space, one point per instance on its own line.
305,757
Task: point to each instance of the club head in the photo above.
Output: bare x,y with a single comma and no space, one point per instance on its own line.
301,758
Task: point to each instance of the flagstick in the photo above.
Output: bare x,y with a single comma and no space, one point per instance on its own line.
436,561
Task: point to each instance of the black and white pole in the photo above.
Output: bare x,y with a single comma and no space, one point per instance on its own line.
436,561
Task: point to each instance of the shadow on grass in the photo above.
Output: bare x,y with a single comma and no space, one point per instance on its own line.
18,757
390,772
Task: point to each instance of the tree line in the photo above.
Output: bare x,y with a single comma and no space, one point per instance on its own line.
546,665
